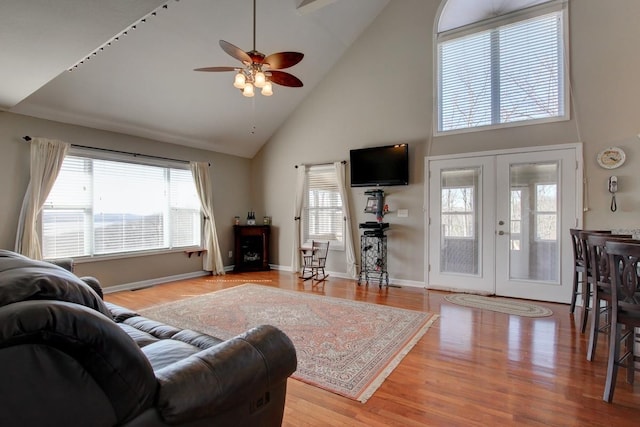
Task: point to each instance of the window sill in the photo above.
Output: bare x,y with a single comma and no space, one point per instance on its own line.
118,256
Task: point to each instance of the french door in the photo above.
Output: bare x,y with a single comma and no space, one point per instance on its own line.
498,223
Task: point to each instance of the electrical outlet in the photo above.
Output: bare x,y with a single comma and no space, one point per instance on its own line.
403,213
230,254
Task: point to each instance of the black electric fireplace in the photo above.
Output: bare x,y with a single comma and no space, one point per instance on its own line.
251,247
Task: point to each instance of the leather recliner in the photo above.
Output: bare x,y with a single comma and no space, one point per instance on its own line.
67,358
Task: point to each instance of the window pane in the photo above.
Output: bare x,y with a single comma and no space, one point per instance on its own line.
67,212
459,246
65,233
104,206
457,199
186,219
505,74
530,72
546,227
465,82
323,217
129,203
546,197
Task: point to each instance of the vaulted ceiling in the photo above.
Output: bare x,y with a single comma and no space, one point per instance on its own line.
143,83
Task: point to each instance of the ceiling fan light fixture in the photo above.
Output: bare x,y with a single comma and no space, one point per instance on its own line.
258,70
240,80
248,90
259,79
267,89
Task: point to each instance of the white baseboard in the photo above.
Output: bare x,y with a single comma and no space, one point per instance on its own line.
393,281
152,282
160,280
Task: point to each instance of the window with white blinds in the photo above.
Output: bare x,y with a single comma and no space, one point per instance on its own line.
323,217
510,70
101,207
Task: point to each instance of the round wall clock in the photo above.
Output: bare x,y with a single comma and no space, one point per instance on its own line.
611,158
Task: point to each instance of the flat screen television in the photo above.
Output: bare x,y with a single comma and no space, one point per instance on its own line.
380,166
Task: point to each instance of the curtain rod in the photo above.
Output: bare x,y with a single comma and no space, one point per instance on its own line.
149,156
344,162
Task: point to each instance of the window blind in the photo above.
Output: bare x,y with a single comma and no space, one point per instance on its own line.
509,73
323,216
100,207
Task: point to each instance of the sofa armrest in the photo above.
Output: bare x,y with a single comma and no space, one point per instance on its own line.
233,373
94,284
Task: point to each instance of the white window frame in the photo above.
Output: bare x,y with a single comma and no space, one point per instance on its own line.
306,235
513,17
89,210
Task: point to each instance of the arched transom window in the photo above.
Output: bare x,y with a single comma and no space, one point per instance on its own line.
501,63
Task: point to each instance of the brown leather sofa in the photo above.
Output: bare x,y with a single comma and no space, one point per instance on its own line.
67,358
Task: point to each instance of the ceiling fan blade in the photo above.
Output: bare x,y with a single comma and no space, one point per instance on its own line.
280,60
235,51
284,79
216,69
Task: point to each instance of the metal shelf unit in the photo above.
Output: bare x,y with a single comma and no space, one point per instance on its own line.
373,258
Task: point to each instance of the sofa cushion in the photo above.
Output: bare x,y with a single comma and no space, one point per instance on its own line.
166,352
23,279
141,338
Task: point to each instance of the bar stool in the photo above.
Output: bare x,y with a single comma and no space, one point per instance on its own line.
624,259
601,288
581,273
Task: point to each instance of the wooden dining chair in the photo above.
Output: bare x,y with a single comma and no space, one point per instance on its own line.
314,260
582,272
601,285
624,262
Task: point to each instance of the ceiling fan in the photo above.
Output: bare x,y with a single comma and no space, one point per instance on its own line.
258,70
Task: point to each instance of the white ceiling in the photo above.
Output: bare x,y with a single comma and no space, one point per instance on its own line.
144,83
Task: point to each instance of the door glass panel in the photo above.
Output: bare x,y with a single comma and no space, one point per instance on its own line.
534,249
459,193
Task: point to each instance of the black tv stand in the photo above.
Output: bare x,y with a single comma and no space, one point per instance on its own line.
373,254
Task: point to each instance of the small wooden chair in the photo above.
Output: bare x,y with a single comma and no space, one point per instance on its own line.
314,260
624,262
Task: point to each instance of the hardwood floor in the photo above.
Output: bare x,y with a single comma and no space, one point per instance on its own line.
472,368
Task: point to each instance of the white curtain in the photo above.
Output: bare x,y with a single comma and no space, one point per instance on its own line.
297,217
212,259
46,160
348,235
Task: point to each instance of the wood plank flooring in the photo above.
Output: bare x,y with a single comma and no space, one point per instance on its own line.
472,368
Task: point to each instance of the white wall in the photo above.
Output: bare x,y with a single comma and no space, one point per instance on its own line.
381,92
230,176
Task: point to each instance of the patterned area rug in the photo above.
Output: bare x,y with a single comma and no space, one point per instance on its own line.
501,305
346,347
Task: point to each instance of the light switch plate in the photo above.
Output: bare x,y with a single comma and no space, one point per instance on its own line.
403,213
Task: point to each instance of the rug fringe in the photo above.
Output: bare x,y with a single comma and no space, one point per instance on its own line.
393,364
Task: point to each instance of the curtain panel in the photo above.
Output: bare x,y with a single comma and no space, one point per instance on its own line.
348,235
212,259
47,156
297,215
